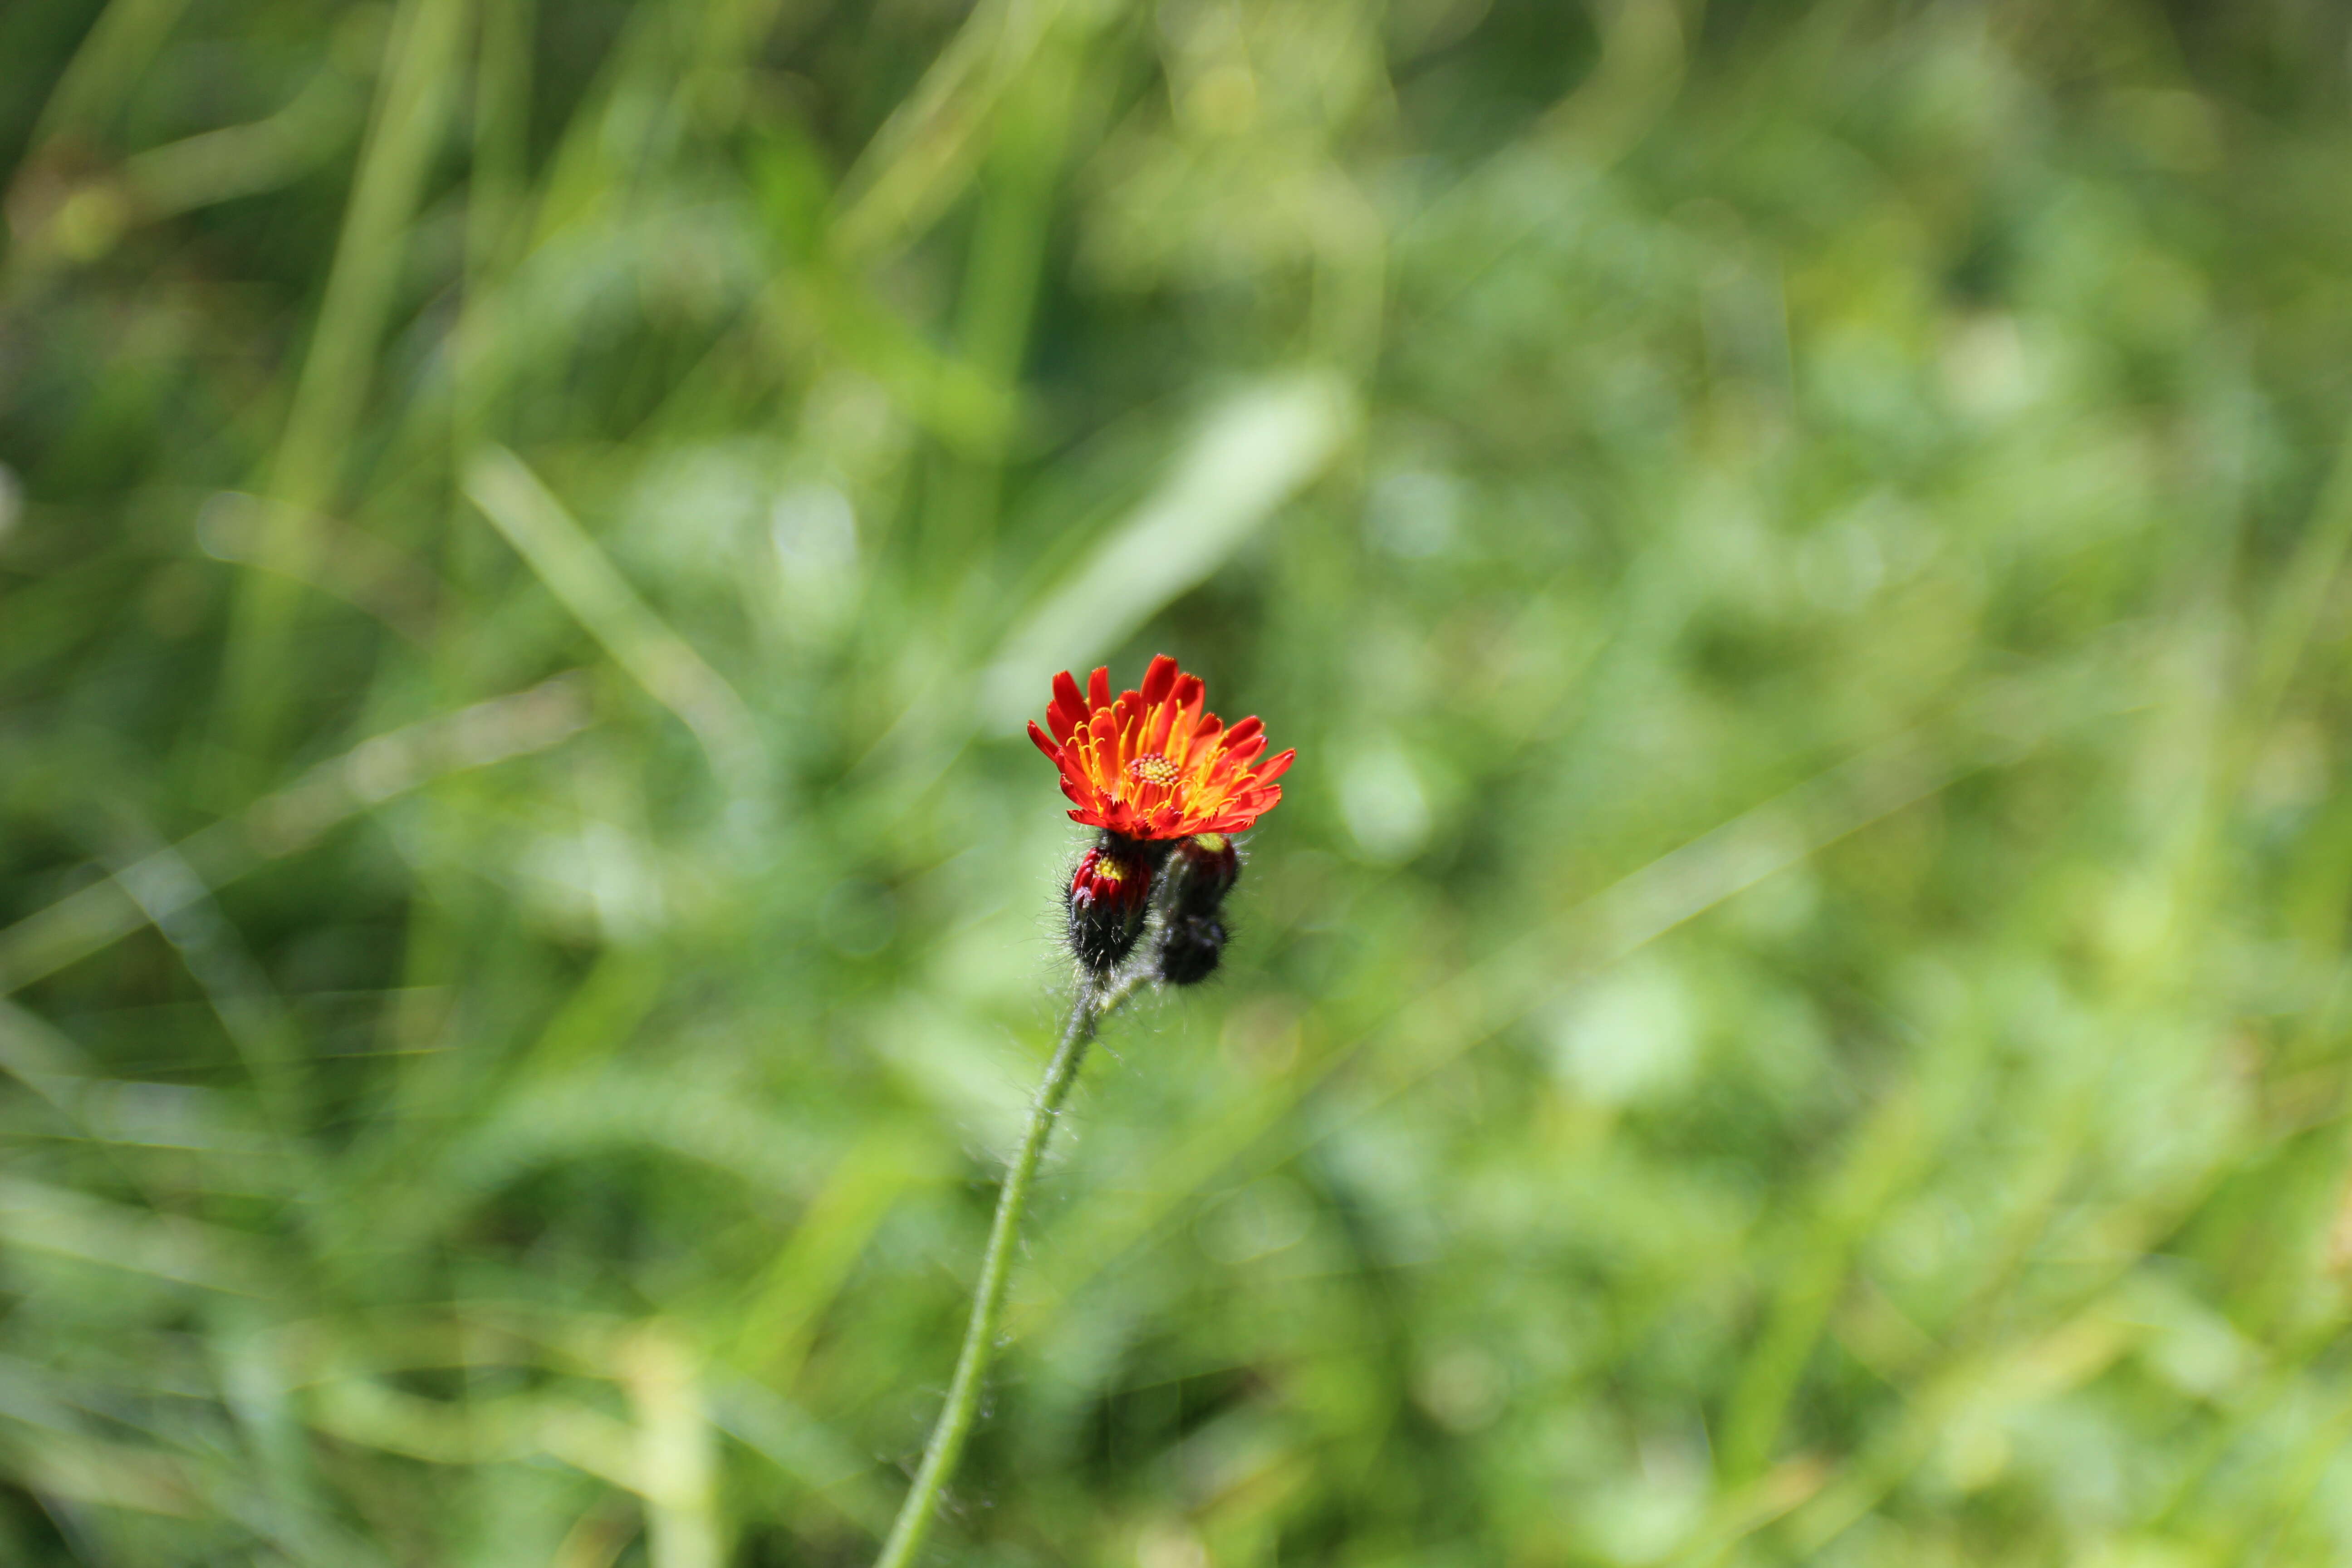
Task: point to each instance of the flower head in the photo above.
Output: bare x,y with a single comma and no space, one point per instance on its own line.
1153,764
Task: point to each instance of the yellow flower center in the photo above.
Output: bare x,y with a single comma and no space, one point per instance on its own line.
1153,769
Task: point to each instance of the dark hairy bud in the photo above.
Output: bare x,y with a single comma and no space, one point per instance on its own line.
1200,870
1190,947
1109,893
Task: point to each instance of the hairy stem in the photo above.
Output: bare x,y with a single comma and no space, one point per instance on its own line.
1095,999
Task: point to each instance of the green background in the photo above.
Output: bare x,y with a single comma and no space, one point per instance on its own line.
1794,1012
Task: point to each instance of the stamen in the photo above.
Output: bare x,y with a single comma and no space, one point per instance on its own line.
1153,769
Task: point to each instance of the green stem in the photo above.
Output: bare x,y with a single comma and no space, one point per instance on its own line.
1094,1000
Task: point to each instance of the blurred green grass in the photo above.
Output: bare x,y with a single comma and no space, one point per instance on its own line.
1794,1011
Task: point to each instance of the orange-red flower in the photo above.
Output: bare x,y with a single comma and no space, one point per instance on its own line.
1153,764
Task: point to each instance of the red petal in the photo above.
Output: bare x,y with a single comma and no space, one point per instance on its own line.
1275,768
1045,743
1158,678
1156,728
1099,688
1068,708
1110,738
1178,745
1244,732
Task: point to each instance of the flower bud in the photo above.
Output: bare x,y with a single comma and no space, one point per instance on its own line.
1200,871
1108,895
1190,947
